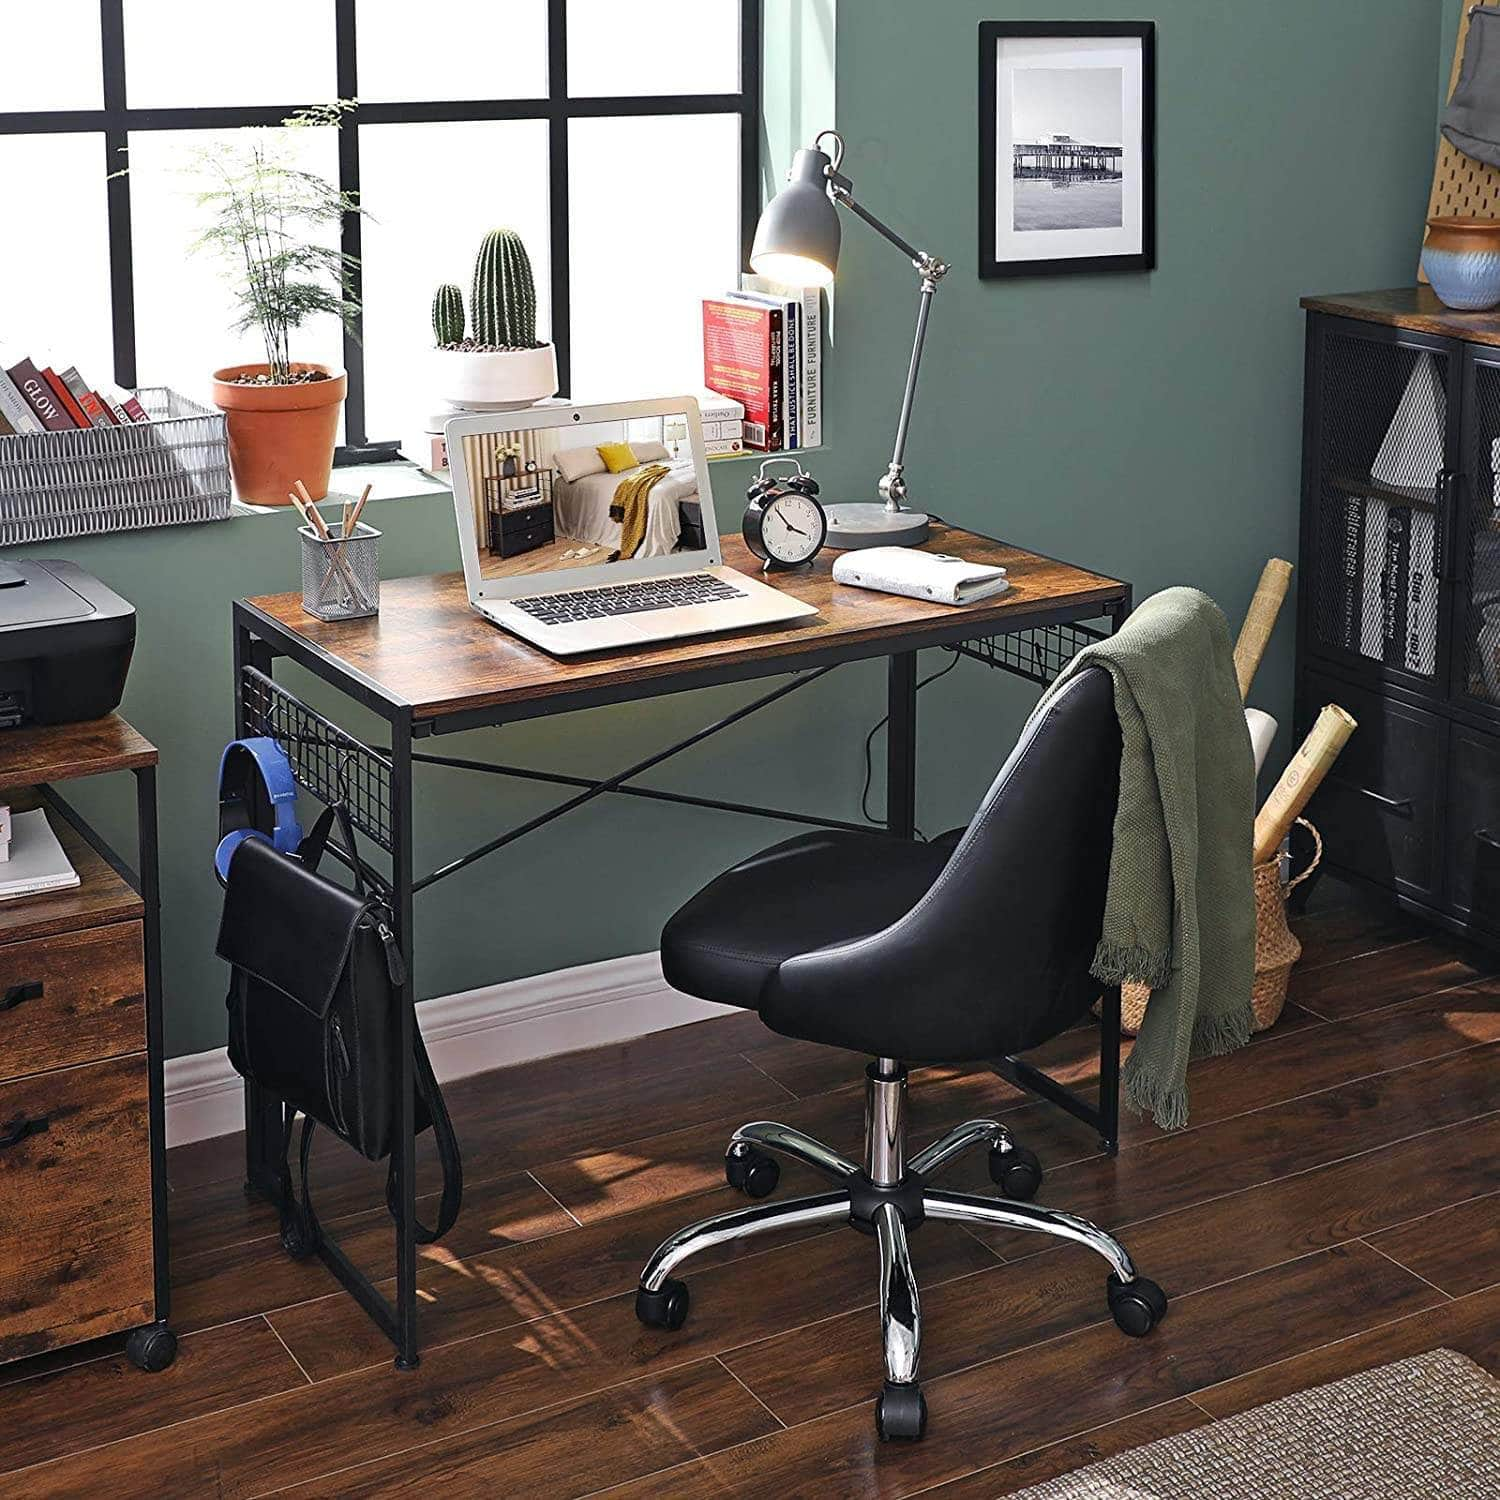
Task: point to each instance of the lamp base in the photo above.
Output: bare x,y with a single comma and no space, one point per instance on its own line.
869,524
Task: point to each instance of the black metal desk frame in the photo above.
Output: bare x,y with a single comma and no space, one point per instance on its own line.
376,783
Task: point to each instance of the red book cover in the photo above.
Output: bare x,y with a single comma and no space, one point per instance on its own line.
93,408
69,401
742,358
37,395
127,403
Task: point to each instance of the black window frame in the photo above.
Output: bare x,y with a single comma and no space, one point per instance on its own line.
116,120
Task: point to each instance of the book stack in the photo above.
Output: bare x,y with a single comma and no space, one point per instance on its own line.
1389,545
36,861
762,347
38,398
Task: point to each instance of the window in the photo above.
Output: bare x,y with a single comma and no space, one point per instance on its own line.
620,137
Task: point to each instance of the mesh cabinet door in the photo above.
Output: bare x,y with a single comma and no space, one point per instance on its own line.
1476,665
1382,441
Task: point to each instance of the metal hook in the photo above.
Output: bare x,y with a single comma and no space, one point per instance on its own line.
838,145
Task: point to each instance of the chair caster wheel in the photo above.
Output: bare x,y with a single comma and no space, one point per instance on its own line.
1137,1306
667,1308
1017,1172
901,1413
296,1240
752,1172
152,1348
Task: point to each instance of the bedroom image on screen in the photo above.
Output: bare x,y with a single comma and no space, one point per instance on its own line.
575,497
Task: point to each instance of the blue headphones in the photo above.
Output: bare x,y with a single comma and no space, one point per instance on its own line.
256,784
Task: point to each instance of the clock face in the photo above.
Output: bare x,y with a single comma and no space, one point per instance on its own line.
792,529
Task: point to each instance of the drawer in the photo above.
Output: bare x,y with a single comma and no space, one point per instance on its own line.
73,998
527,518
75,1206
514,542
1473,836
1380,808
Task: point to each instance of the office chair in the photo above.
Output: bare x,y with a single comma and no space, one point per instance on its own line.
976,946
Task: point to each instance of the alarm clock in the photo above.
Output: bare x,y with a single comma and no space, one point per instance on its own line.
784,524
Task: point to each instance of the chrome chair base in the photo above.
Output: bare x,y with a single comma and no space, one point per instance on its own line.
889,1197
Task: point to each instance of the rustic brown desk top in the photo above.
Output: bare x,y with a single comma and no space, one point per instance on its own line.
62,752
429,650
1412,307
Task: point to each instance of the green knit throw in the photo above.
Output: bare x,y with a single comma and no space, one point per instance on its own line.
1179,915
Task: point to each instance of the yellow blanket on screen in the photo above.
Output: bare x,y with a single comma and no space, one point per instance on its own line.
630,506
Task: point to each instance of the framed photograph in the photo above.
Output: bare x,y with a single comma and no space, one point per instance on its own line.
1067,156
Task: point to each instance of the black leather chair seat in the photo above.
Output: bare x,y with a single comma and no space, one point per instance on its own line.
808,893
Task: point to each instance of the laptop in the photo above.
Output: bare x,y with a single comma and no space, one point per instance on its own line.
590,528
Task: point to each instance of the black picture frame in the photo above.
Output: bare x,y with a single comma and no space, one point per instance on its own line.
991,34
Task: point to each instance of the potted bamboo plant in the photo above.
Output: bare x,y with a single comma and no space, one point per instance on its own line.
268,220
502,366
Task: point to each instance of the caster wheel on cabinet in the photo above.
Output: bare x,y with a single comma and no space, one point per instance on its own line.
667,1308
752,1172
1017,1172
152,1348
1137,1306
901,1413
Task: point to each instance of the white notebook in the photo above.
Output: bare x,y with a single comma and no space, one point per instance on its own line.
37,862
920,575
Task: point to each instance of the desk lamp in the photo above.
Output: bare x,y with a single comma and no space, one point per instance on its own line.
797,241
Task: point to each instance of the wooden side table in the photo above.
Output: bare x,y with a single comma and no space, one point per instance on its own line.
519,520
83,1206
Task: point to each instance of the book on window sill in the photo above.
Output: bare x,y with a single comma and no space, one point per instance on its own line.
808,308
743,359
37,861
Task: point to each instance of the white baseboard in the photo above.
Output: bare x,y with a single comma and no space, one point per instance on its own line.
586,1006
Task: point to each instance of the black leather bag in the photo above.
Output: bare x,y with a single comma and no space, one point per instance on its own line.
313,1006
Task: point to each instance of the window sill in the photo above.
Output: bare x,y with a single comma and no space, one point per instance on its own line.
392,481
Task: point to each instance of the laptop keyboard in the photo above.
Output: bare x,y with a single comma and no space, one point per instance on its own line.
628,598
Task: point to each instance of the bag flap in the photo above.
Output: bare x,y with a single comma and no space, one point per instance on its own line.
286,926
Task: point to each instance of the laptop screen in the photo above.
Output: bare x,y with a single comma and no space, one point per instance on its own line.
582,494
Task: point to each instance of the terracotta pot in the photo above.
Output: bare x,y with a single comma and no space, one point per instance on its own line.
280,433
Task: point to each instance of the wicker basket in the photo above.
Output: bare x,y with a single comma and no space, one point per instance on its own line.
172,469
1276,947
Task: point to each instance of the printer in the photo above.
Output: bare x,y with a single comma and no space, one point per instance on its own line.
65,643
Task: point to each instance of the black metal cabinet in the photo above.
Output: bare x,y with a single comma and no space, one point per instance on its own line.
1399,597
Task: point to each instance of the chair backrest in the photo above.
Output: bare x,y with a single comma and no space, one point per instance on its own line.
995,956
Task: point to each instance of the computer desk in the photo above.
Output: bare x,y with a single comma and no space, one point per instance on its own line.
429,665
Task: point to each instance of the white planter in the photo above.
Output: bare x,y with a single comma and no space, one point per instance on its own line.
502,380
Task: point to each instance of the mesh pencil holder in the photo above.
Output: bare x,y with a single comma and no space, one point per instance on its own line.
341,579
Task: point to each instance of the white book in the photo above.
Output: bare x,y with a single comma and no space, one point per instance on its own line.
713,407
17,412
37,862
919,575
810,338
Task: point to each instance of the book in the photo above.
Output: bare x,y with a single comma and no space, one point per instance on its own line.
1371,642
1422,594
38,396
76,414
93,408
126,403
712,407
1352,571
13,407
790,309
1394,585
810,352
743,359
37,861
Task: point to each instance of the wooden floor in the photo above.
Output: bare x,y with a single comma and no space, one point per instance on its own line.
1335,1205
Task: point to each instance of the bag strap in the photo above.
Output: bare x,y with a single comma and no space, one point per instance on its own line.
446,1141
310,850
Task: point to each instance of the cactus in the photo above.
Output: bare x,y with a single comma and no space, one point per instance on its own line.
504,296
448,315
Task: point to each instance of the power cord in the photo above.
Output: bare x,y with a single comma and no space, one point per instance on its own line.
864,796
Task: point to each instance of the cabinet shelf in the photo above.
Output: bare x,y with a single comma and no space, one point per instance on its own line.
1368,488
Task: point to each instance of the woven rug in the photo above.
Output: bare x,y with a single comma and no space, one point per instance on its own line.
1426,1428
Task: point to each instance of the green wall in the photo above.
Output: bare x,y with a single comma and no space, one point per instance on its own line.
1146,425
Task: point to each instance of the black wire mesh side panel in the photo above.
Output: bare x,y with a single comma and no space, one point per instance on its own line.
330,764
1480,534
1376,559
1038,654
